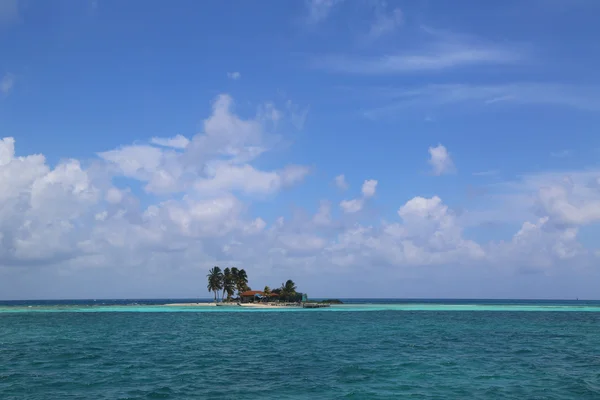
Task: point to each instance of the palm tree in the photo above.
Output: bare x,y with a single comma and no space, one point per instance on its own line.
267,293
242,281
215,280
234,275
288,289
228,283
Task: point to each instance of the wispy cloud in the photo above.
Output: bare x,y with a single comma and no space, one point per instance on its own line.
385,21
319,10
234,75
9,12
446,95
436,56
7,83
298,114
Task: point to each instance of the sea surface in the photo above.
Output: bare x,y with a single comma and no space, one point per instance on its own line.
364,349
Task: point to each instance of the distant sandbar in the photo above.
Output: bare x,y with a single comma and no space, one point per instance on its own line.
245,305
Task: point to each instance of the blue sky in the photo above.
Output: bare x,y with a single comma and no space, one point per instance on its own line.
398,148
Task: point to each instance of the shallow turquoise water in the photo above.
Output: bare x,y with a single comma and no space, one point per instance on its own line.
335,308
416,351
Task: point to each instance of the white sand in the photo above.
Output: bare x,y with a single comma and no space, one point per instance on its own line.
267,305
247,305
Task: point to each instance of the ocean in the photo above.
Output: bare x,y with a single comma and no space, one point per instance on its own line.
364,349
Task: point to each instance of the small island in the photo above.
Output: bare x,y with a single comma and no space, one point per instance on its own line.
231,281
230,289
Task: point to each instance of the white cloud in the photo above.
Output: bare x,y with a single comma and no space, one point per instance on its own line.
429,234
323,215
569,203
7,83
319,10
352,206
340,182
440,160
538,245
439,56
369,187
355,205
74,219
213,161
234,75
41,208
176,142
564,200
114,196
247,179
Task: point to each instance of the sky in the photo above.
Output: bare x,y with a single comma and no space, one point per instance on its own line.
363,148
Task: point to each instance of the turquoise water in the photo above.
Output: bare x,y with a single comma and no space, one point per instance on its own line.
474,350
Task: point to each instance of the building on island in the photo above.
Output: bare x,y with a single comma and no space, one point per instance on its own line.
253,296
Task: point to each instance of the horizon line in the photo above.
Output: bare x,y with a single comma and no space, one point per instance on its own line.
319,297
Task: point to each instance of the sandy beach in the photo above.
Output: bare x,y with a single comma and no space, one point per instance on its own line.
246,305
267,305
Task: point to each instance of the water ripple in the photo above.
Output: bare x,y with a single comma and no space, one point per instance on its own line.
315,355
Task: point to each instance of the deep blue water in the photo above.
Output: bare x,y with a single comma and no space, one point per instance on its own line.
413,349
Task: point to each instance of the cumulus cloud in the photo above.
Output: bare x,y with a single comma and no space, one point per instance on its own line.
570,204
568,198
537,246
215,160
196,212
440,160
340,182
369,187
355,205
41,208
67,212
323,215
352,206
247,179
176,142
427,234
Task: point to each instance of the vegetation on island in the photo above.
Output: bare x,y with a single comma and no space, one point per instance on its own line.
232,281
327,301
331,301
228,281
